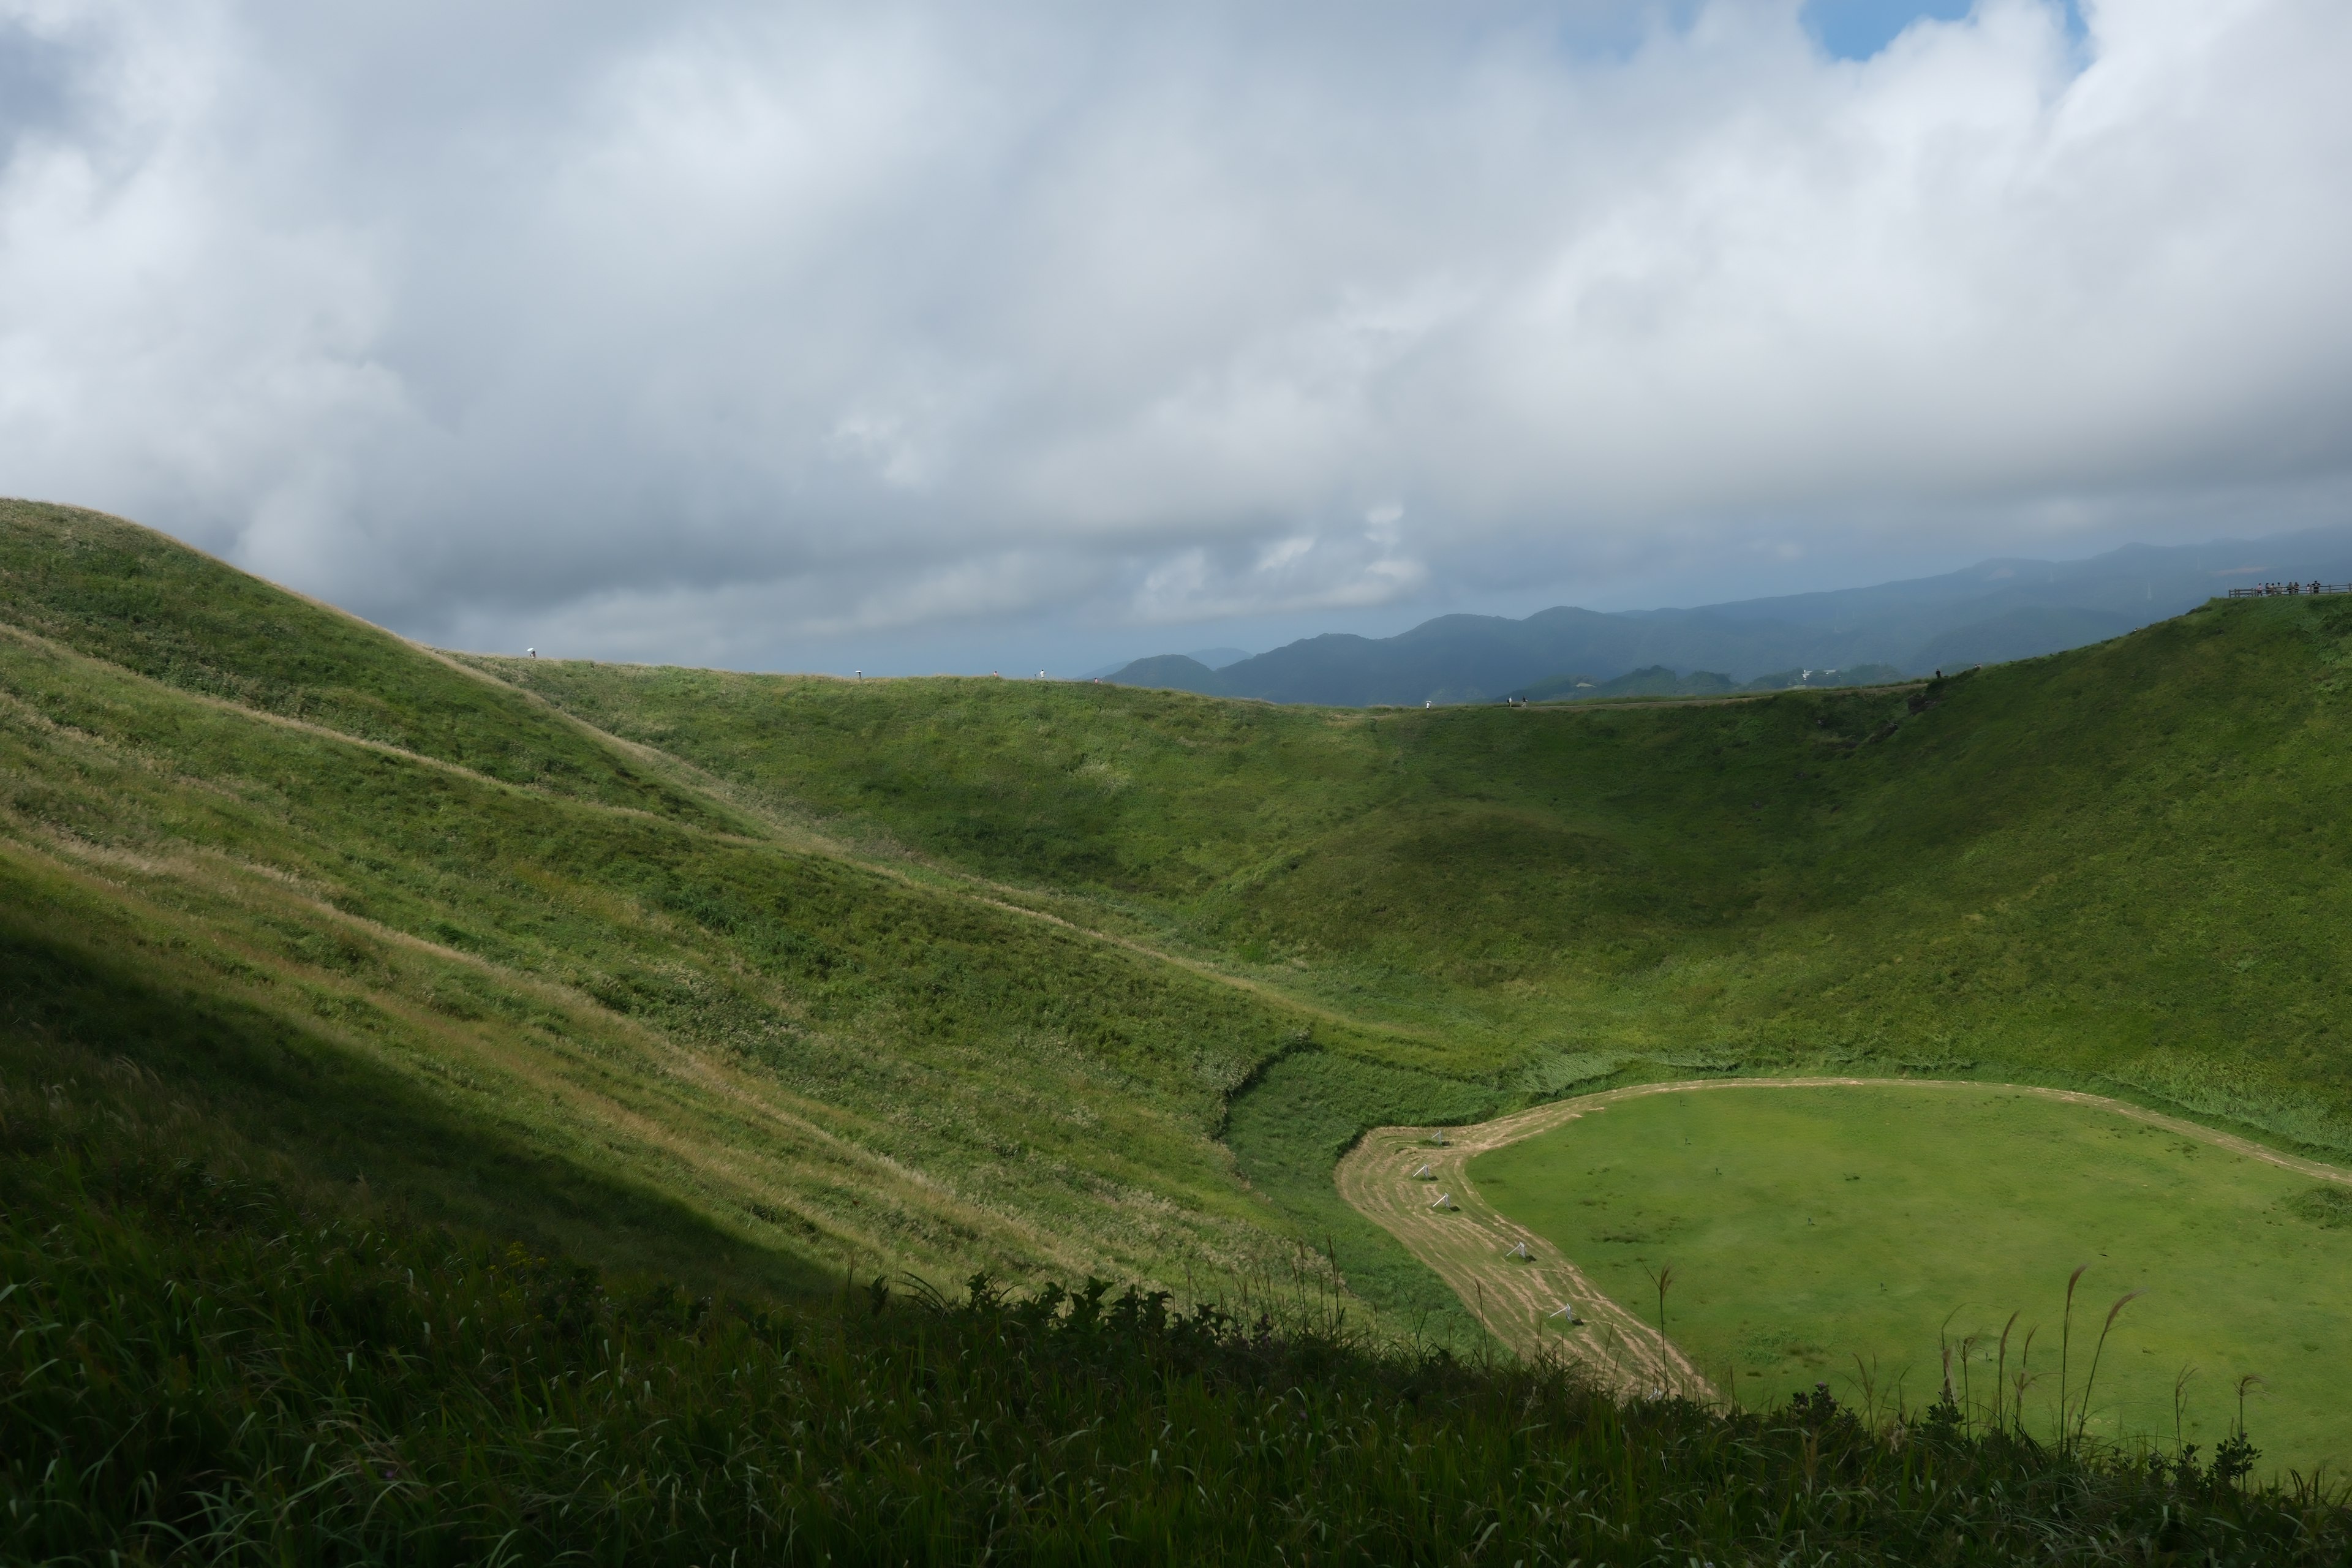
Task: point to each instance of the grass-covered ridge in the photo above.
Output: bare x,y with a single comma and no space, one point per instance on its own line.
135,599
822,1063
2123,864
2120,869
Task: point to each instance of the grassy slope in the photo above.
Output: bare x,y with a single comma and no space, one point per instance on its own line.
280,893
584,967
202,1361
1813,1232
134,598
2121,867
2126,861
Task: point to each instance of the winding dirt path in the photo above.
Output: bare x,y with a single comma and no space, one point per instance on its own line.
1419,1190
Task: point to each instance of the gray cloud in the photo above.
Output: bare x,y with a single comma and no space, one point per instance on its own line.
772,334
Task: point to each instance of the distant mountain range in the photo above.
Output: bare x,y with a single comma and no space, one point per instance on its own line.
1986,614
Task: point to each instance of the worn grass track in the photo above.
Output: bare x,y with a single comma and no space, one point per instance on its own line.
1420,1192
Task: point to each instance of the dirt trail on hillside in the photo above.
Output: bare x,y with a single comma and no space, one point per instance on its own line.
1474,1249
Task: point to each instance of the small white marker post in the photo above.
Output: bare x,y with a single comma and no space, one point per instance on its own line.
1424,1174
1444,1200
1567,1310
1518,1251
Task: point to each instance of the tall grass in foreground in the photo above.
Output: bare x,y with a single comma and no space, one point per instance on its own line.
204,1365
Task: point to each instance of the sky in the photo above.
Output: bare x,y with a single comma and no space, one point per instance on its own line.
918,335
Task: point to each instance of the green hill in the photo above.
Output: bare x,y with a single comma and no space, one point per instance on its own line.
2119,867
966,969
2124,861
417,927
754,982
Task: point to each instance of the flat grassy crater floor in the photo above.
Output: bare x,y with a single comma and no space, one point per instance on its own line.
1806,1226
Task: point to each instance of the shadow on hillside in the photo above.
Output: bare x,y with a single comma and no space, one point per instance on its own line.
292,1095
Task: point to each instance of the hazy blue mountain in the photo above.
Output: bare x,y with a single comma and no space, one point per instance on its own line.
1985,614
1173,671
1211,659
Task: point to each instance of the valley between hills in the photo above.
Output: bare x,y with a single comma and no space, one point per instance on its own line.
760,984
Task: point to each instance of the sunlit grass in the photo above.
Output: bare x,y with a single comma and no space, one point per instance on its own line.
817,1058
1835,1233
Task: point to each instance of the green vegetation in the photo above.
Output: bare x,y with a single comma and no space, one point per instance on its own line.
139,600
2106,864
2120,866
1307,1110
2117,868
1812,1232
751,983
821,1061
205,1363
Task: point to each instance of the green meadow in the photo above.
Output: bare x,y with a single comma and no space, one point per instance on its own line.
1814,1233
733,1005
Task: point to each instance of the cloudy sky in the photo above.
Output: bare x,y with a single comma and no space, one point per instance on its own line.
916,335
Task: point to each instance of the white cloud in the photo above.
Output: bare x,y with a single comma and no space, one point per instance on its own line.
724,330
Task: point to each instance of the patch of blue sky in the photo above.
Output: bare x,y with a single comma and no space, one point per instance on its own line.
1857,30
